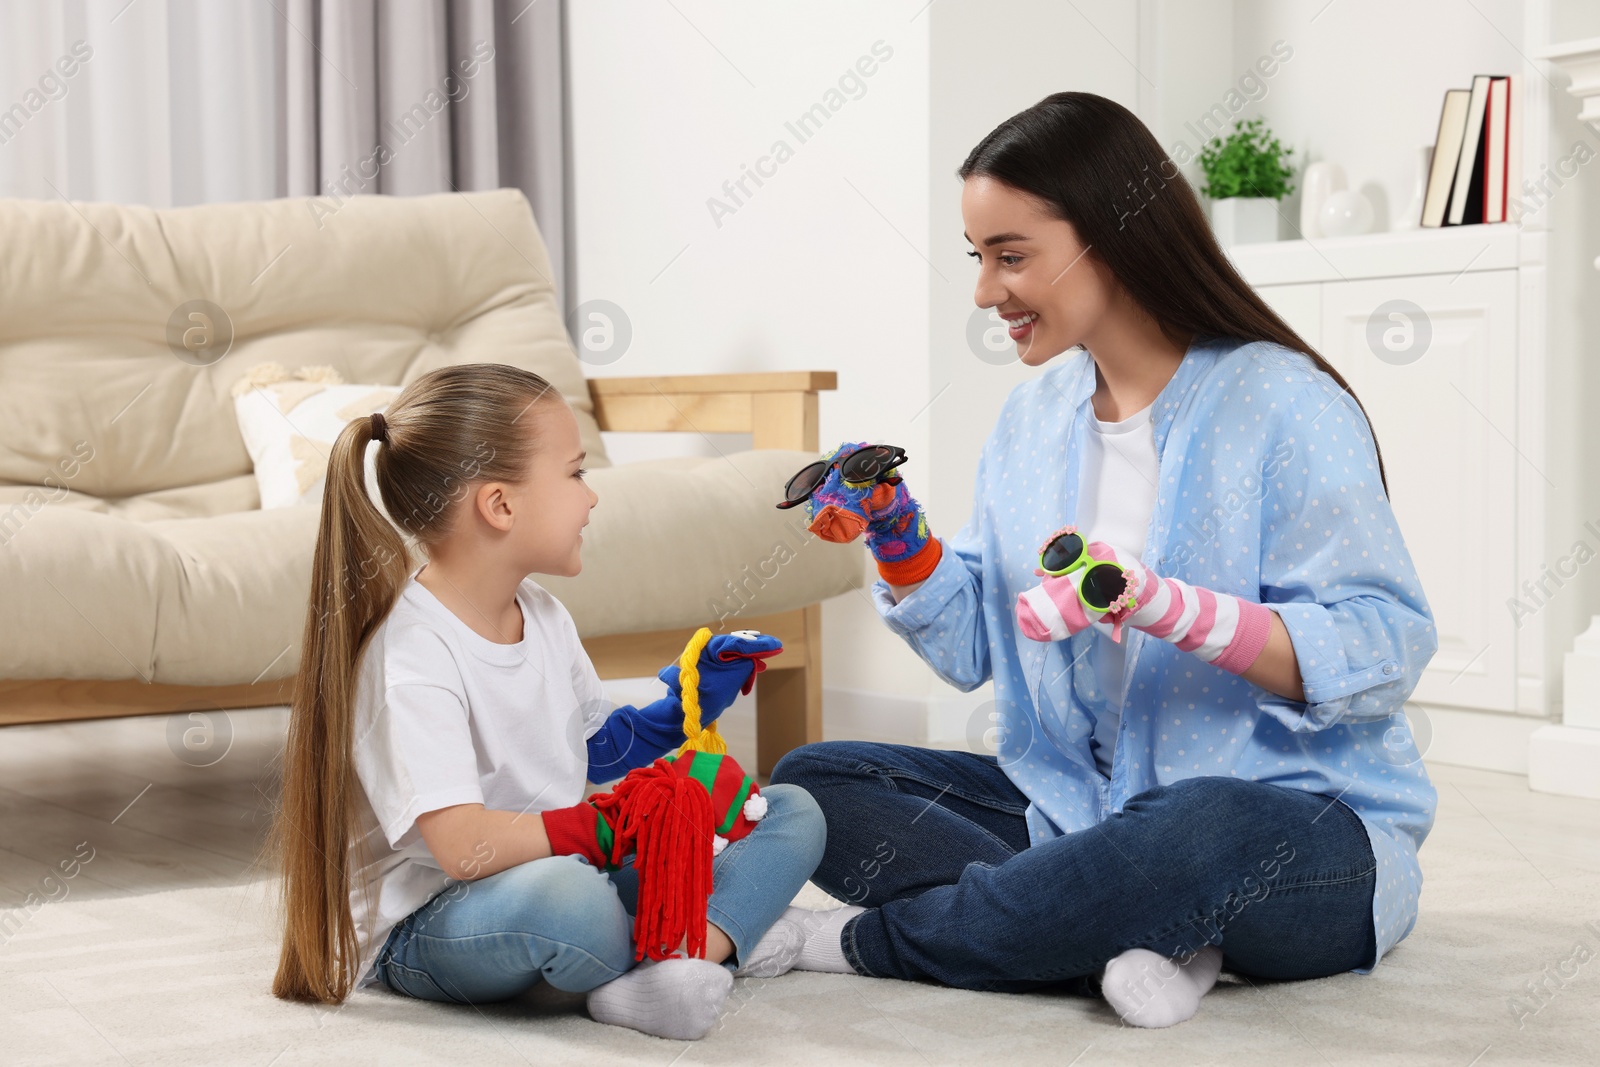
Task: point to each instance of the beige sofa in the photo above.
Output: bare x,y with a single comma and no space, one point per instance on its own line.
140,574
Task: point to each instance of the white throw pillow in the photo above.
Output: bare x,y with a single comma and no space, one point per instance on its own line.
289,422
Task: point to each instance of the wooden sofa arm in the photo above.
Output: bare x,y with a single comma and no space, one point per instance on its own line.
777,408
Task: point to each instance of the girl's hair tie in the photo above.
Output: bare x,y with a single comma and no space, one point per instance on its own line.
380,428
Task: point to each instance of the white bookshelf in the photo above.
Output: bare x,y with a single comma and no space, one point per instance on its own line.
1486,437
1446,250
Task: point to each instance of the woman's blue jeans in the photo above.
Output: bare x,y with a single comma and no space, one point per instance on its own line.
561,921
935,845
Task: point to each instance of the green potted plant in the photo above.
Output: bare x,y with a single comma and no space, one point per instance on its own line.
1246,176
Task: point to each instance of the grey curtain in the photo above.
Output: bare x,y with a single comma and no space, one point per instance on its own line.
424,96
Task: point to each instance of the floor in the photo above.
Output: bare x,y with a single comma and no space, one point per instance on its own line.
136,927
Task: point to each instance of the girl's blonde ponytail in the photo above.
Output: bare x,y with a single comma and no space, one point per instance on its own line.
360,565
449,429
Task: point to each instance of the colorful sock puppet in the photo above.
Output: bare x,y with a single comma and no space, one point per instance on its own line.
677,813
674,817
896,528
1224,630
723,666
711,674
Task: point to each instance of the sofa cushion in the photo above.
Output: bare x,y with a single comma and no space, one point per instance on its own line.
96,299
289,424
182,502
222,600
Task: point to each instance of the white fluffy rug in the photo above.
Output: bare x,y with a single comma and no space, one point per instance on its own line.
162,948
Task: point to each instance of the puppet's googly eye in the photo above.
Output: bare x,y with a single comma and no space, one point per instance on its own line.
747,635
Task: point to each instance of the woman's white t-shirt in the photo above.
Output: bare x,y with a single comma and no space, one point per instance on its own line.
1117,495
445,716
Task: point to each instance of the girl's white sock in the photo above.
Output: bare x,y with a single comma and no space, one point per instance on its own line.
1148,989
776,952
821,929
674,998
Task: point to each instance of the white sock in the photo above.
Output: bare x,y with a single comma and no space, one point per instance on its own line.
673,998
820,950
1148,989
777,951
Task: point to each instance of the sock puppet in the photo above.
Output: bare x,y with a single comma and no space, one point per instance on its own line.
674,813
1224,630
895,526
722,666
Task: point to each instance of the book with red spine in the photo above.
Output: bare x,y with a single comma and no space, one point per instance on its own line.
1495,154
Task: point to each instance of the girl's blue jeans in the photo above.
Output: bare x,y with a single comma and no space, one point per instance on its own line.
935,845
561,921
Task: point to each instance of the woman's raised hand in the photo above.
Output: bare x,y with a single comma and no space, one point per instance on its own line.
896,528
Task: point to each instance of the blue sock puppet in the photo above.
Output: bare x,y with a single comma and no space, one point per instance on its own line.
636,737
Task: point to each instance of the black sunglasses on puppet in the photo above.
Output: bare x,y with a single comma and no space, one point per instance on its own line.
857,489
860,467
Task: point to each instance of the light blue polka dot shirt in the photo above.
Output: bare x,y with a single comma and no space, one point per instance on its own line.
1269,490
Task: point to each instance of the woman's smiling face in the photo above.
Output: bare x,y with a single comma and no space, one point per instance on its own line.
1033,269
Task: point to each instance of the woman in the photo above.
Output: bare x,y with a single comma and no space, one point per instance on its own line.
1158,808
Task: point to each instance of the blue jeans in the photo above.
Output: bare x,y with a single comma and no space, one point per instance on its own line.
935,845
561,921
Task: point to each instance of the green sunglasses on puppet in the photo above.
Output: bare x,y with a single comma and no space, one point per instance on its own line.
1103,586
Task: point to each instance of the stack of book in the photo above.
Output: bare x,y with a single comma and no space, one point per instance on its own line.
1477,156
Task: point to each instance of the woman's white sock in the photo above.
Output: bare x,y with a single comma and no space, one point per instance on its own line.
1148,989
673,998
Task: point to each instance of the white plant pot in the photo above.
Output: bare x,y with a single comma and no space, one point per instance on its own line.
1243,220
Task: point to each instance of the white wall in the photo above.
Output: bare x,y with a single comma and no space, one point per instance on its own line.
820,267
849,258
1366,80
991,61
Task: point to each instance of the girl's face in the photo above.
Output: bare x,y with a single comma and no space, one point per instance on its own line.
1033,269
551,506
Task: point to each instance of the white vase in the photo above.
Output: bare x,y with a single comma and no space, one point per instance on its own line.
1321,180
1411,217
1345,214
1243,220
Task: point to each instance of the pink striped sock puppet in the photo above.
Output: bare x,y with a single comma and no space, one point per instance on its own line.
1224,630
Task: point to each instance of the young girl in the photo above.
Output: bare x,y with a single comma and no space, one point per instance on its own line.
1233,781
446,717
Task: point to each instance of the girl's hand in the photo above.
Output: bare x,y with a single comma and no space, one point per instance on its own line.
728,666
581,830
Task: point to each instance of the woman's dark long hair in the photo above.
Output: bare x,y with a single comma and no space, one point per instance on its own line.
1095,165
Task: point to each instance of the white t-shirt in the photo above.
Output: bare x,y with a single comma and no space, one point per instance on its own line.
1117,495
445,716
